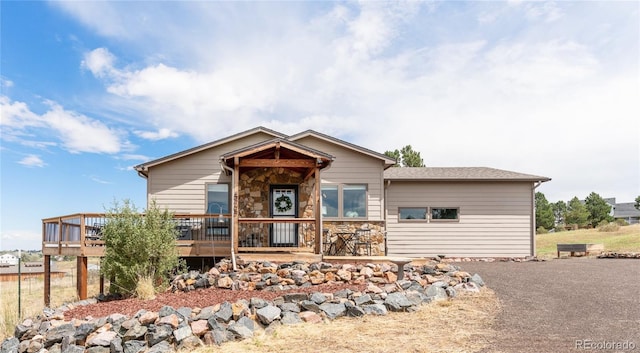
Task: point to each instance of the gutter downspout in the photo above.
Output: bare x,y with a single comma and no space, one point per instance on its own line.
533,217
233,254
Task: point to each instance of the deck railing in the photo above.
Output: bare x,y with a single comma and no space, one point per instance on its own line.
276,234
81,234
197,235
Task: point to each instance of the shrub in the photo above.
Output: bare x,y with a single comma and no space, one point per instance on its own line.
559,228
621,222
541,230
609,227
138,246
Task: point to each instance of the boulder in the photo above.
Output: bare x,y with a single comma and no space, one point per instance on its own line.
134,346
225,313
182,332
290,318
10,345
375,309
333,310
156,334
161,347
102,339
268,314
436,292
477,280
397,302
310,317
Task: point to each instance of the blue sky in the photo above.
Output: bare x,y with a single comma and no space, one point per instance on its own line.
90,89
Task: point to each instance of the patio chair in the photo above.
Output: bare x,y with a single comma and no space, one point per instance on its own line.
362,238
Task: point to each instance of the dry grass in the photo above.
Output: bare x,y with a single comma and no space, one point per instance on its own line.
63,290
145,289
461,325
623,240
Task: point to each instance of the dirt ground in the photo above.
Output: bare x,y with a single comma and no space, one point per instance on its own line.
558,305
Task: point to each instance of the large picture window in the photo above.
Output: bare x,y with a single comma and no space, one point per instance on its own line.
217,198
344,201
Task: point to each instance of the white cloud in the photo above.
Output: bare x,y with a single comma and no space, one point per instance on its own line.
75,132
500,86
32,161
5,82
134,157
157,135
99,180
99,61
20,239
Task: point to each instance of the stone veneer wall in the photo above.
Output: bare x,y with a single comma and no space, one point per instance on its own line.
377,233
254,202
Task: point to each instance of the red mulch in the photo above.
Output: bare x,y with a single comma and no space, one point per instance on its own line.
195,299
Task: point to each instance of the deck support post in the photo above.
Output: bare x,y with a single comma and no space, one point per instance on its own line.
318,213
47,280
82,279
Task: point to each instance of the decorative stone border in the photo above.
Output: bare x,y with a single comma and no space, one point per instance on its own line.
173,329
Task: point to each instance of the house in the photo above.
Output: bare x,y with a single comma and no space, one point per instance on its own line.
261,194
626,211
415,212
8,259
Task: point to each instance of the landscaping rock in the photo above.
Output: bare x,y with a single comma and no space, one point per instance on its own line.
477,280
290,318
268,314
161,347
333,310
10,345
397,302
134,346
225,313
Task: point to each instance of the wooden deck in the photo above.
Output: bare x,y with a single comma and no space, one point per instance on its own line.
198,235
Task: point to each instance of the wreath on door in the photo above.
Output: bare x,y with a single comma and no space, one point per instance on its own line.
283,203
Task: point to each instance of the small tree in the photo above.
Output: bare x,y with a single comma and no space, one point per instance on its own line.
599,209
406,157
577,213
544,212
559,211
139,247
637,205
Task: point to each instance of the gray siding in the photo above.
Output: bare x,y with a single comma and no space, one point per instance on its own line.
180,185
351,167
494,219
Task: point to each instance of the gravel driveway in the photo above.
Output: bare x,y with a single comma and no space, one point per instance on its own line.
549,306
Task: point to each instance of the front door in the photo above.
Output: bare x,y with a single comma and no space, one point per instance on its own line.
284,204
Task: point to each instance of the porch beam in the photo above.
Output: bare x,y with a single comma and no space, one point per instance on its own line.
288,163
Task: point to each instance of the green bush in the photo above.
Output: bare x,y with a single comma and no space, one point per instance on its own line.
541,230
608,227
621,222
559,228
138,246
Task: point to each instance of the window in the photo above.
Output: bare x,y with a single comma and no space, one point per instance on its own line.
217,198
330,200
354,201
444,214
344,201
412,213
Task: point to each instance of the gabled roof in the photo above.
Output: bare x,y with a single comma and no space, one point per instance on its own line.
142,168
388,161
278,141
458,174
